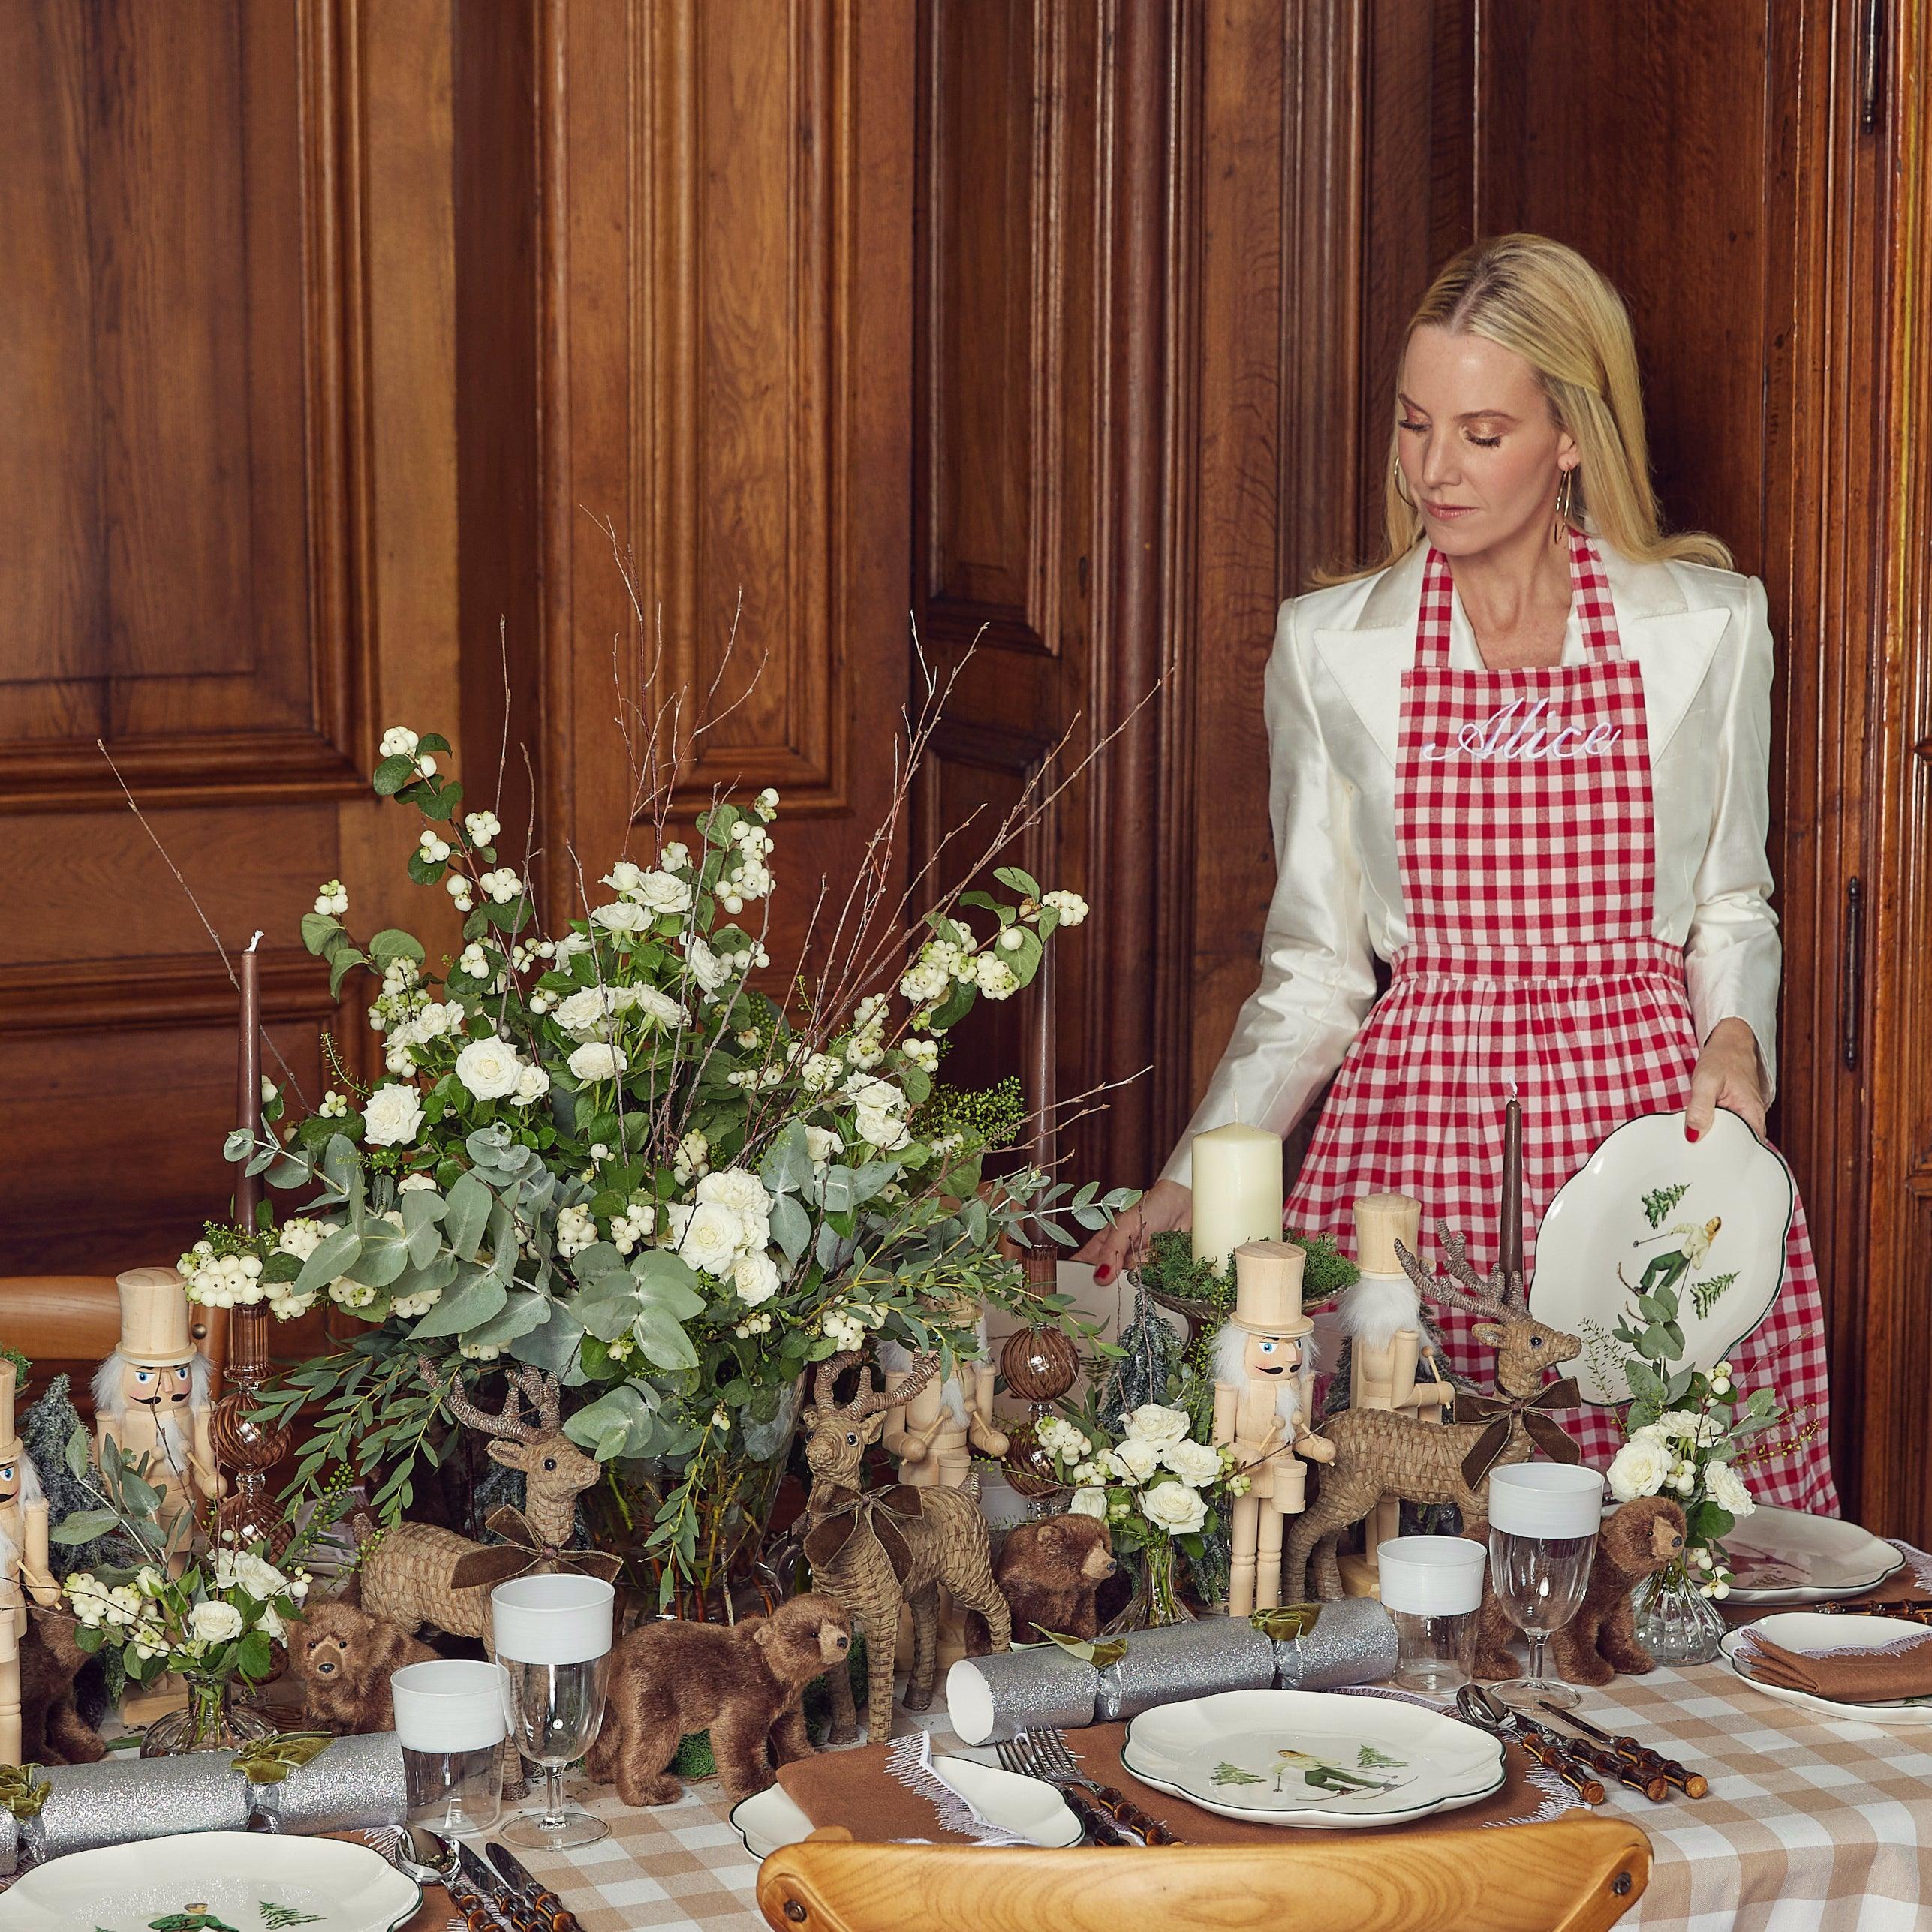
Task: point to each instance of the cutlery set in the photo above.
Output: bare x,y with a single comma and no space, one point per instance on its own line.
488,1892
1107,1815
1582,1750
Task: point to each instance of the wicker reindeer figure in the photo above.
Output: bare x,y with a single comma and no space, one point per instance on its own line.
421,1573
1382,1452
871,1549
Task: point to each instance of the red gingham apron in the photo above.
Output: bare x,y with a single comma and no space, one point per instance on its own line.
1528,881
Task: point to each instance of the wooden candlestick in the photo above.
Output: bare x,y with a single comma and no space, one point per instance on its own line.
249,1514
1509,1234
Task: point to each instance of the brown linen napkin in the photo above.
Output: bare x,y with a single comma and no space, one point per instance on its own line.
1887,1675
853,1789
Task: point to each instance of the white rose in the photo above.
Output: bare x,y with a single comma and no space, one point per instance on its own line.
756,1278
1155,1423
886,1131
393,1117
1174,1507
489,1068
1088,1503
532,1084
214,1622
584,1012
622,878
713,1238
621,917
821,1143
660,1009
256,1575
738,1189
1687,1426
1638,1469
711,970
1725,1488
594,1061
1136,1459
1195,1463
662,893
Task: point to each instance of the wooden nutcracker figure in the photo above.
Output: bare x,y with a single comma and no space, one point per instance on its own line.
151,1396
1264,1377
24,1569
1393,1360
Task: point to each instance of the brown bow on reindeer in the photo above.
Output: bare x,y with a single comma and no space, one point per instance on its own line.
1499,1411
523,1551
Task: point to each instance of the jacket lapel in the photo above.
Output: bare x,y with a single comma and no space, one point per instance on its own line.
1673,645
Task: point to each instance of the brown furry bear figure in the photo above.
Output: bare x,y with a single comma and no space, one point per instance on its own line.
742,1682
342,1658
1601,1639
52,1731
1049,1572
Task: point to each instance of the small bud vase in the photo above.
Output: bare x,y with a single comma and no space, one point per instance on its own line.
1157,1598
1675,1621
212,1721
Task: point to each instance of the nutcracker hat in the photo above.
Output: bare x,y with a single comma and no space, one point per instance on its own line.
1268,1289
11,1448
154,1317
1380,1221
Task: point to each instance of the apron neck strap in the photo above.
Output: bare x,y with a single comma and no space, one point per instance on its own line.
1589,594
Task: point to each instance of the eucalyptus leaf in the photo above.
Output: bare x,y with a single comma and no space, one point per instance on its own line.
83,1526
663,1343
466,1307
466,1215
787,1167
238,1144
791,1227
606,1316
840,1189
619,1424
521,1313
334,1255
385,1255
552,1347
662,1278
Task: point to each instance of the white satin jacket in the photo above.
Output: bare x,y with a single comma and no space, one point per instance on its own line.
1332,696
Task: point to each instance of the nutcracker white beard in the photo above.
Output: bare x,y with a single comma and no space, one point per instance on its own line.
1293,1394
1377,1307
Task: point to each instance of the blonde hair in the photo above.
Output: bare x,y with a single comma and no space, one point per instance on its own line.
1543,302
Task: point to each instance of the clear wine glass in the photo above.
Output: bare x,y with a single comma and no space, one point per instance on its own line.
1543,1520
552,1636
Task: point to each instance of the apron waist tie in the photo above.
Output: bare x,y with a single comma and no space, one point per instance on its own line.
1597,959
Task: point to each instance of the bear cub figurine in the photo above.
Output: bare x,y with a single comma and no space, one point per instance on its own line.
743,1682
343,1657
1601,1639
1049,1572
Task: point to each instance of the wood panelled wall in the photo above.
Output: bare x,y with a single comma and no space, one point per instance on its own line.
226,489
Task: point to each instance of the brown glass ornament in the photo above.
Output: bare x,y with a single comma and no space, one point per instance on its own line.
1040,1364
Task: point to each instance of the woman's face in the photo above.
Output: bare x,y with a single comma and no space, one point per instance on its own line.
1480,455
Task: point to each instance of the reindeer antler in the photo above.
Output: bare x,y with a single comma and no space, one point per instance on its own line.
545,1396
510,1425
1462,1288
829,1372
924,1366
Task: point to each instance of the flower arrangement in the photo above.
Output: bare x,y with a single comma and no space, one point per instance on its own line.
605,1153
1154,1484
214,1620
1685,1429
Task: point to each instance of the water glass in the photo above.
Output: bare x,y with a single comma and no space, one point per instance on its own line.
552,1636
449,1721
1432,1588
1543,1520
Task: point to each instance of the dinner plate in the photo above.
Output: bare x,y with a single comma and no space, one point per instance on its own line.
1313,1757
214,1881
1023,1806
1784,1556
1811,1632
1708,1217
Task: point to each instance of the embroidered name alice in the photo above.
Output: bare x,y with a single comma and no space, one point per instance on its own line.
1515,731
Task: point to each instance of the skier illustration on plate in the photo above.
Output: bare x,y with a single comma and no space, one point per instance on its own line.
1666,1271
194,1917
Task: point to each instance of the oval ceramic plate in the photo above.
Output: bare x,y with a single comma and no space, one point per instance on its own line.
1023,1806
1784,1556
1808,1631
214,1882
1707,1218
1313,1757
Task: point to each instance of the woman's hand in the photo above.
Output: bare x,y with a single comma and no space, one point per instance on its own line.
1165,1205
1726,1076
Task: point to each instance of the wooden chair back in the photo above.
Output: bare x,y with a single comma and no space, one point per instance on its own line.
69,1324
1573,1874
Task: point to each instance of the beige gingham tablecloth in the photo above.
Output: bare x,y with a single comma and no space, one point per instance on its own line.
1811,1825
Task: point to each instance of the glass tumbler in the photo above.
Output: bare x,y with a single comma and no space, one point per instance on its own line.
552,1635
450,1722
1543,1520
1432,1588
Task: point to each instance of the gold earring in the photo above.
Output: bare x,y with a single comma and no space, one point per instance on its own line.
1396,477
1565,499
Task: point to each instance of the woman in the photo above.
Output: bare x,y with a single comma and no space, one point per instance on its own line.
1524,761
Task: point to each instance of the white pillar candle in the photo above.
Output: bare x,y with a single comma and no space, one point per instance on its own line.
1237,1190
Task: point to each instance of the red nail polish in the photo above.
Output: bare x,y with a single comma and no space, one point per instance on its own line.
1690,1133
1103,1273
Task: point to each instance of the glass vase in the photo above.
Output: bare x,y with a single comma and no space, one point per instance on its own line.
1157,1598
213,1719
1675,1621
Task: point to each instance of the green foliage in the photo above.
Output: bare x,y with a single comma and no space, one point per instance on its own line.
1658,1203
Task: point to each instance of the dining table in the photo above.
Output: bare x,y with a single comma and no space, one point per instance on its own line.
1810,1822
